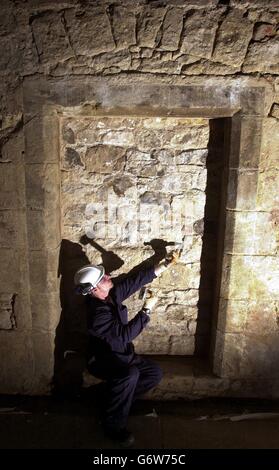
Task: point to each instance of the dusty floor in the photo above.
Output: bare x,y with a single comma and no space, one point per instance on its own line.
73,423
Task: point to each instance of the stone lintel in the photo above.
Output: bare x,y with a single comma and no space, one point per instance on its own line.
93,91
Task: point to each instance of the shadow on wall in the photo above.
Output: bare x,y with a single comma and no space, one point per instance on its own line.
112,262
212,236
71,337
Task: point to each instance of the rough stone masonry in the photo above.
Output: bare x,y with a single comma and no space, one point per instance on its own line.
127,181
207,43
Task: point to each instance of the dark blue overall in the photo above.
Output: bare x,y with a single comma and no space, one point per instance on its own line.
111,352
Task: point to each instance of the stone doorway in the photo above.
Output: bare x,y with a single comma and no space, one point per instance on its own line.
136,187
238,109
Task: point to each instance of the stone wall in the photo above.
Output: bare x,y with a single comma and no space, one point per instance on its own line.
214,44
137,187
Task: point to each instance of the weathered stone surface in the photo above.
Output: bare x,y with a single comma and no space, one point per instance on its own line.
43,270
11,268
42,186
188,297
153,343
192,248
110,62
12,150
147,167
124,26
245,142
173,124
7,19
204,382
102,134
45,39
88,130
129,257
267,192
7,316
248,317
206,67
53,4
264,31
72,158
122,185
191,157
180,277
43,228
21,306
172,28
12,187
255,4
149,24
11,123
43,347
104,159
68,134
182,137
263,15
12,229
228,353
194,3
41,139
172,387
177,313
233,38
253,233
124,195
46,311
270,145
106,63
275,110
146,52
182,345
250,277
184,158
262,318
51,40
12,60
192,211
260,355
16,371
89,33
242,189
199,33
232,315
150,197
263,57
175,182
161,62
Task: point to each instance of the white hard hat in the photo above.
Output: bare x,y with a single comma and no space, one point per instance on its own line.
88,277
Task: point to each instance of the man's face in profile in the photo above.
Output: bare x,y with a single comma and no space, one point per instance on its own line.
101,291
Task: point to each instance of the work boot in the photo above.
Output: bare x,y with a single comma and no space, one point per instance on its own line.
121,436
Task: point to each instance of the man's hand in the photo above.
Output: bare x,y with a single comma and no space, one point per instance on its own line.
171,259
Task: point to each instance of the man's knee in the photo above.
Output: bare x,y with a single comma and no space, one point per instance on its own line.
133,374
158,374
154,373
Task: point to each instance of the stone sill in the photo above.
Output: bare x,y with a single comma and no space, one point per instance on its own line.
184,377
190,378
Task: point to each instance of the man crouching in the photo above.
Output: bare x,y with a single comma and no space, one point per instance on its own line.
112,355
